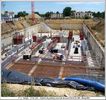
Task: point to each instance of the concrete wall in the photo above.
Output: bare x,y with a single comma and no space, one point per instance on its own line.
69,23
6,39
97,49
71,26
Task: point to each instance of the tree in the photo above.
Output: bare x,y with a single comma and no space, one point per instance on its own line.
6,12
57,12
48,14
86,17
21,14
37,13
67,11
99,14
103,14
42,15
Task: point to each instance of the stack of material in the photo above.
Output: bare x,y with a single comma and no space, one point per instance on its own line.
18,39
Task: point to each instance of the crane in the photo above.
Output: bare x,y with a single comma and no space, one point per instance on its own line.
33,14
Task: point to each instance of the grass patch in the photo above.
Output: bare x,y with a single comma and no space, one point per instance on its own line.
31,92
5,92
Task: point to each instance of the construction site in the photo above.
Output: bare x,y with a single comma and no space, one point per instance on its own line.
52,48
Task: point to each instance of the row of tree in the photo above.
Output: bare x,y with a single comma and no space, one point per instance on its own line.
99,14
67,11
21,14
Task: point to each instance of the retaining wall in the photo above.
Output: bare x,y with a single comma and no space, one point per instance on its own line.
65,26
97,49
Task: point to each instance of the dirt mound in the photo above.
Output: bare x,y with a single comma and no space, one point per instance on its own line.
12,26
36,16
69,23
99,27
99,30
29,19
43,28
5,28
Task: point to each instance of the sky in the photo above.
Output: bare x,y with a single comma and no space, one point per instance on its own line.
44,6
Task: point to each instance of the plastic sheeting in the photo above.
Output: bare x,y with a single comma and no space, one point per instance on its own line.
97,84
21,78
89,77
15,77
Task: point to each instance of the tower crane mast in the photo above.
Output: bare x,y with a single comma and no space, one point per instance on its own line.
33,14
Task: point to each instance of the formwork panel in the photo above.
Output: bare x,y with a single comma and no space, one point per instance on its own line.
47,71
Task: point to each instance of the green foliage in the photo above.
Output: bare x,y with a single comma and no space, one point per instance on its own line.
48,14
86,17
57,12
5,92
42,15
37,13
21,14
30,92
6,12
67,11
99,14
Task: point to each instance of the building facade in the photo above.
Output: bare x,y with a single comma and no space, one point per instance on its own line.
83,14
7,16
56,15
